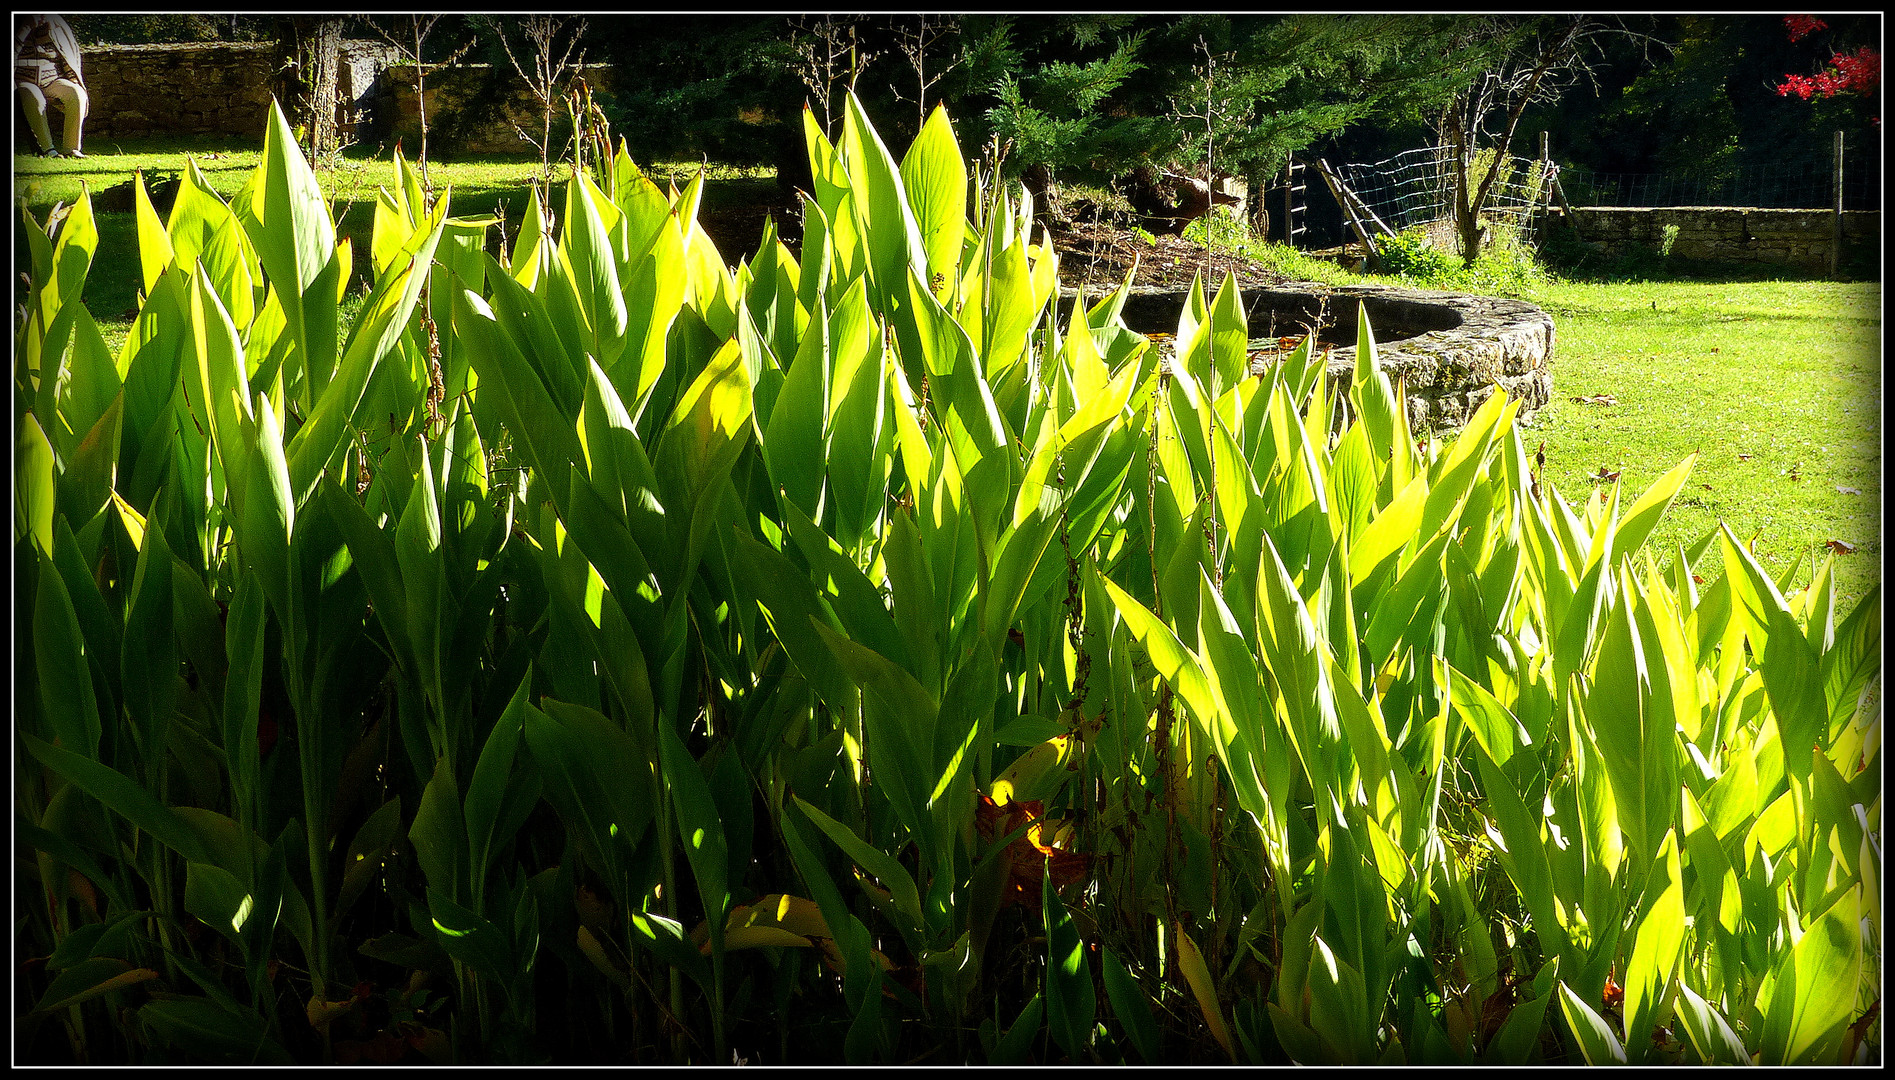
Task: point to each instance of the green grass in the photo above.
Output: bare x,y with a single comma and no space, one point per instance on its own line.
1775,385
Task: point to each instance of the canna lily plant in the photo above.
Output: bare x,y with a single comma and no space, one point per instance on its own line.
657,648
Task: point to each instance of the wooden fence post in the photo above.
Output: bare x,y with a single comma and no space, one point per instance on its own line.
1835,241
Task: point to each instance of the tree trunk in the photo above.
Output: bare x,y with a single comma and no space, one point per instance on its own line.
311,46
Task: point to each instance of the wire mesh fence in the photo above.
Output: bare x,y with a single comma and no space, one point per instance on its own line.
1793,185
1416,188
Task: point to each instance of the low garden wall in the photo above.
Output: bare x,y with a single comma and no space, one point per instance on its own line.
208,88
1797,238
217,88
223,88
474,108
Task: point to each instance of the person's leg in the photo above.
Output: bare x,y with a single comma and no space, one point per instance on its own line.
34,103
72,102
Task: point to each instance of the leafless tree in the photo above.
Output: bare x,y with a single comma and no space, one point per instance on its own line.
408,35
1536,61
552,44
828,51
914,40
1215,112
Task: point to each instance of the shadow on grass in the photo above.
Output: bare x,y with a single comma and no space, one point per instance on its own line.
1650,266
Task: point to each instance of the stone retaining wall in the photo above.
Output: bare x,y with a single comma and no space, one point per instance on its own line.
223,88
218,88
1797,238
474,108
1448,350
208,88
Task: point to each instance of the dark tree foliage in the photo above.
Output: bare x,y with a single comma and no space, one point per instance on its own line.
715,86
1091,96
1085,98
163,27
1705,102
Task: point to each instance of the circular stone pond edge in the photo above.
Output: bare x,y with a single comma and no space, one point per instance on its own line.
1448,350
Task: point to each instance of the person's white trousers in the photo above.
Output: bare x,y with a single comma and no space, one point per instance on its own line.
70,98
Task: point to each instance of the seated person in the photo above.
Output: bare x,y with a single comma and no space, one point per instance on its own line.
46,68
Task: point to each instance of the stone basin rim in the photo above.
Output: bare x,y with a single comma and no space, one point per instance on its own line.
1448,349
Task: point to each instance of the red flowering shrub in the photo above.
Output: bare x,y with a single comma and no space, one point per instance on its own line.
1856,73
1859,72
1802,26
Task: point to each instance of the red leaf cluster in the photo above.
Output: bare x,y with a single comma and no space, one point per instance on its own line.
1859,72
1802,26
1034,850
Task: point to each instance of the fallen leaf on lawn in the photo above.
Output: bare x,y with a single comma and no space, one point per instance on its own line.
1848,490
1596,399
1744,457
1707,487
1841,547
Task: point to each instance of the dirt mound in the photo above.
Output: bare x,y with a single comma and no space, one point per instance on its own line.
1098,255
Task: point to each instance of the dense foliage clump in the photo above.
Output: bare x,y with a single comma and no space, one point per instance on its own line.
602,655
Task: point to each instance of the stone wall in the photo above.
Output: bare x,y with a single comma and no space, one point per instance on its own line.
218,88
1796,238
1447,350
209,88
474,108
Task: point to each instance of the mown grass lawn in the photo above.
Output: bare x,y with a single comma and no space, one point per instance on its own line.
1775,383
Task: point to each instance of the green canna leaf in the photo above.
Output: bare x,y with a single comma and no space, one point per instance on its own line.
1596,1041
893,876
35,490
587,250
1710,1034
1791,670
1129,1006
1498,731
149,661
1071,1003
367,852
123,796
469,938
699,827
1643,517
1808,1011
893,240
498,801
439,835
1655,953
934,177
61,662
